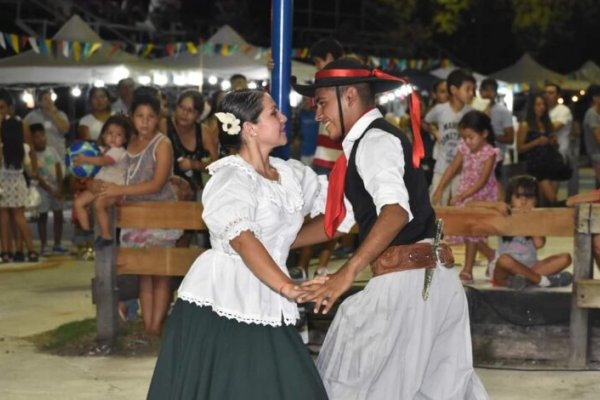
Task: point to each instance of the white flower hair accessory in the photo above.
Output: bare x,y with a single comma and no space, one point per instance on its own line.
230,124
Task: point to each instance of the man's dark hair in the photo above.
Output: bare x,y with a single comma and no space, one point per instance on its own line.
237,76
327,46
458,77
35,128
558,89
593,91
489,83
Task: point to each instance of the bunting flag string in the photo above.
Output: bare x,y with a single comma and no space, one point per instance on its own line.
79,50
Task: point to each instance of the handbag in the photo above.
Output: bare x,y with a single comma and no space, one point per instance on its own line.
32,202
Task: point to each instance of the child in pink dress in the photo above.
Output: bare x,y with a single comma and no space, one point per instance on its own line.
475,161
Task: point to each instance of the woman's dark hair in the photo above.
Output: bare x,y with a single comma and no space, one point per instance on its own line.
479,122
197,99
246,105
6,97
95,89
530,117
437,84
13,152
145,96
42,93
119,120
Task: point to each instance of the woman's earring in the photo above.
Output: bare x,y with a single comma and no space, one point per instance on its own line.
253,134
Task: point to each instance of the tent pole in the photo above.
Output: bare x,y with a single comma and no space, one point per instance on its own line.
281,51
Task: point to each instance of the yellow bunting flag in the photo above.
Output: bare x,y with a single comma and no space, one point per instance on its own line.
148,50
76,51
94,48
14,41
191,48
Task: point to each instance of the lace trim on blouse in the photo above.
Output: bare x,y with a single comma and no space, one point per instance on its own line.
236,316
291,200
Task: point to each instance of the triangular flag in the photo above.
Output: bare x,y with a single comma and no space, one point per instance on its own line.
2,41
94,47
178,47
48,45
66,48
86,49
191,48
148,50
169,49
14,42
34,45
42,47
114,49
76,51
138,48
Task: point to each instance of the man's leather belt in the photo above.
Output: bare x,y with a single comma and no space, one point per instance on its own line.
411,256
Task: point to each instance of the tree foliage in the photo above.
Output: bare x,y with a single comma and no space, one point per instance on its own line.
491,34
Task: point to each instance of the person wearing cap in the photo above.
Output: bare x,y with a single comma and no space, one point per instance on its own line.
399,338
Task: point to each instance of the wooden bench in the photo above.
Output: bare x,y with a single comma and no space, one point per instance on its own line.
112,261
579,222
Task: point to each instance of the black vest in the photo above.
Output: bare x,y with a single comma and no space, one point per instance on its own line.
365,214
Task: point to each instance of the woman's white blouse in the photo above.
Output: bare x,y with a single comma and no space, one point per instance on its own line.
238,199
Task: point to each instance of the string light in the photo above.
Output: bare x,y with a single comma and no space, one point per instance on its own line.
144,80
27,98
226,85
76,91
212,80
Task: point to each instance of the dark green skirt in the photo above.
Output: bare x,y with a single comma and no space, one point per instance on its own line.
205,356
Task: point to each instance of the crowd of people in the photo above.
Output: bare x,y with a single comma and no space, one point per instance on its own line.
406,335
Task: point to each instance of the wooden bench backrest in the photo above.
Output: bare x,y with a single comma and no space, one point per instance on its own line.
188,215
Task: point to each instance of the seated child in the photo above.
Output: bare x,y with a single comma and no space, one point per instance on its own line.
115,133
518,265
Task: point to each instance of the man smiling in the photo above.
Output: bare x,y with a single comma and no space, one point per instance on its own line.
404,336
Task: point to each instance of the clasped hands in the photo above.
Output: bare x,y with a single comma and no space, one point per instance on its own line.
323,290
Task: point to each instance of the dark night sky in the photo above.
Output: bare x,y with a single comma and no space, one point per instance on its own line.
484,42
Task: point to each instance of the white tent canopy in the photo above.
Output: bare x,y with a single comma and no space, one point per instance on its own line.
34,68
527,70
443,73
251,64
589,71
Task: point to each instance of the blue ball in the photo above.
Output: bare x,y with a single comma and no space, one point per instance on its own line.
86,149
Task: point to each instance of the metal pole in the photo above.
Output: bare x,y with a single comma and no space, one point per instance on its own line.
281,50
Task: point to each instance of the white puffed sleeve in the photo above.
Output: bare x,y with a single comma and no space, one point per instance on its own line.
230,205
314,188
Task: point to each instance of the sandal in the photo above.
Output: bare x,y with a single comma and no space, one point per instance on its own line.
33,256
466,278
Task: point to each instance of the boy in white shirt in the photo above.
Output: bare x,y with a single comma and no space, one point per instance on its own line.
445,117
115,135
